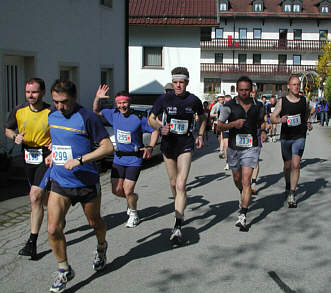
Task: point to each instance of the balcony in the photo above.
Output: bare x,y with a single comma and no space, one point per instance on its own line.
258,69
262,45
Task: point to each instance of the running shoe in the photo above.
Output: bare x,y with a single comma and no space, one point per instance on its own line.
128,210
226,167
133,220
176,237
29,249
100,258
62,278
241,222
221,154
291,200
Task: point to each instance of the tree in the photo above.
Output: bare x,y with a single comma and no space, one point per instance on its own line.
324,64
327,90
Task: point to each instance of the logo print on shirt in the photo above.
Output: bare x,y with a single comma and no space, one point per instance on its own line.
172,110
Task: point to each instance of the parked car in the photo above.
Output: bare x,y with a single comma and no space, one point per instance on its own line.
107,161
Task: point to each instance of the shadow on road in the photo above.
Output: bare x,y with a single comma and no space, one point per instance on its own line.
205,179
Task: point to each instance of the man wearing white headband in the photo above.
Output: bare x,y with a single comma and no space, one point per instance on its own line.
177,109
130,151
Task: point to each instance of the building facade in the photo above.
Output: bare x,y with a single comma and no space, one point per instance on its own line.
162,36
266,40
61,39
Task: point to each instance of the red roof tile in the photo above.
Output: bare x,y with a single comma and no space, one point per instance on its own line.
173,12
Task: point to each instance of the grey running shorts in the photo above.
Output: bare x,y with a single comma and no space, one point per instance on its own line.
292,147
248,157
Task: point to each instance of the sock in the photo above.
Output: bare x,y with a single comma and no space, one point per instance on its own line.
33,238
178,223
288,186
101,247
134,213
63,265
292,191
244,211
253,181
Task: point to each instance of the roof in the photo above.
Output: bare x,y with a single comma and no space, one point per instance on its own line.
173,12
244,8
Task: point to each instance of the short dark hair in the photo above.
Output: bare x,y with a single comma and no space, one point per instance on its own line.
245,79
293,76
65,86
180,70
40,81
122,93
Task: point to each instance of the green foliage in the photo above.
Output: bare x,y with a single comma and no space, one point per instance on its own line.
324,64
327,90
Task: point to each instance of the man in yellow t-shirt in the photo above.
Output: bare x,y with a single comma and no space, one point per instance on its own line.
31,122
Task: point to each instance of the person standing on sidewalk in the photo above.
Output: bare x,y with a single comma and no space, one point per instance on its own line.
324,109
214,112
74,177
293,111
244,117
31,121
177,144
129,128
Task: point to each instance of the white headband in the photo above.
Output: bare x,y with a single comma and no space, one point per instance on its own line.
180,76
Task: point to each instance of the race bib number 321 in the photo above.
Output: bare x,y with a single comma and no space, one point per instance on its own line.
61,154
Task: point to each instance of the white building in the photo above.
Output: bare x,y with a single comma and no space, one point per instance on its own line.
163,37
266,40
62,39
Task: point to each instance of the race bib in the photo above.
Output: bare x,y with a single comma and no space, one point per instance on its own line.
33,156
178,126
244,140
294,120
272,109
61,154
123,136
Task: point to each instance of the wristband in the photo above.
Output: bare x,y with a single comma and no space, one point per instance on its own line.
14,136
80,160
149,147
200,134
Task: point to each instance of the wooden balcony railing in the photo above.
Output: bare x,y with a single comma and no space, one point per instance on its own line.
260,69
259,44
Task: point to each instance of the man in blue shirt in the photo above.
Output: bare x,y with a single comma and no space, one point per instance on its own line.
74,176
130,151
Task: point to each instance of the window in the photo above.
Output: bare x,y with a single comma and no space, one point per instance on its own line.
219,33
297,34
69,72
257,33
257,7
233,89
287,8
296,59
283,34
219,58
242,33
212,85
282,59
223,7
152,57
205,34
324,9
106,77
242,58
296,8
108,3
323,35
279,87
256,58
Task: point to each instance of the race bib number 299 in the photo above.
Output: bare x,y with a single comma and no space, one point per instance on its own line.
61,154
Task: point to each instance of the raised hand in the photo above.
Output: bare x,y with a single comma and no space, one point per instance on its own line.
102,91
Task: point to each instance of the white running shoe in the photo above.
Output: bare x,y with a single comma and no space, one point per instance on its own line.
221,154
291,200
62,278
241,222
100,258
226,167
133,220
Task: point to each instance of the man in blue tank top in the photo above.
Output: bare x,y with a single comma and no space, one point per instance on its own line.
243,117
177,110
293,111
74,176
128,130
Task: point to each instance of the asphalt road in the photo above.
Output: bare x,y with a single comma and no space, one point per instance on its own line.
285,250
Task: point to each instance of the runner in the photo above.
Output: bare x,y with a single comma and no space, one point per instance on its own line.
293,111
177,143
31,121
214,116
244,117
128,130
74,176
225,135
273,126
207,117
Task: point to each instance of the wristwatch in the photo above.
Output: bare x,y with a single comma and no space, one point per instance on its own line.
80,159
